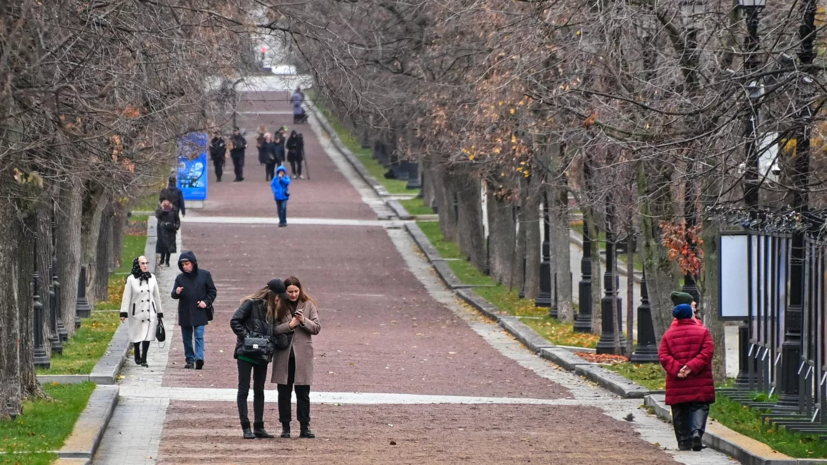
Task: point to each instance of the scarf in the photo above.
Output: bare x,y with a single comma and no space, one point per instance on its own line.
138,274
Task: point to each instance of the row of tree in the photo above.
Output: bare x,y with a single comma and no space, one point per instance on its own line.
93,96
647,113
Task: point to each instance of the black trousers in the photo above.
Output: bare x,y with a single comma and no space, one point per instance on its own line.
270,170
165,258
238,166
259,377
302,396
687,418
141,349
219,168
296,167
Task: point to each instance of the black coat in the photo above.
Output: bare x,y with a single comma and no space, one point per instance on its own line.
168,224
251,317
197,286
267,153
279,150
239,145
174,195
218,149
295,148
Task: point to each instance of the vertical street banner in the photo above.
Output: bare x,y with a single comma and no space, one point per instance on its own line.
192,165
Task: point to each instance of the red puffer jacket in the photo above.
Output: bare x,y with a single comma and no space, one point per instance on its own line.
690,344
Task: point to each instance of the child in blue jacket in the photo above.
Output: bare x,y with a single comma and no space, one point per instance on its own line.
280,193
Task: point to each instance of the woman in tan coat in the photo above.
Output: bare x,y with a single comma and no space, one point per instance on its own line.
296,316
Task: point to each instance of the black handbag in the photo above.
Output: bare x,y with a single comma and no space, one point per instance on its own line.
256,346
160,332
210,312
283,341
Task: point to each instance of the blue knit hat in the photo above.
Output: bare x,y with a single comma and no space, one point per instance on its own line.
682,311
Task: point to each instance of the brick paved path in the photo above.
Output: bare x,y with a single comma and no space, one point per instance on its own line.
387,327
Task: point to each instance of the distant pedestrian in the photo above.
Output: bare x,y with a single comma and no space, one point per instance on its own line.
239,145
280,139
686,354
195,292
267,156
256,316
293,368
141,308
218,154
168,224
297,99
281,194
174,194
295,154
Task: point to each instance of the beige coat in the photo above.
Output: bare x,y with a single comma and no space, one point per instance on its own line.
301,345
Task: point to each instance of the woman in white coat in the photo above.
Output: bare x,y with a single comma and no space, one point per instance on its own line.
141,305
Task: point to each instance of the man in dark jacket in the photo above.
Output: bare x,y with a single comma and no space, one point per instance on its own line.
686,354
237,154
218,153
195,293
174,195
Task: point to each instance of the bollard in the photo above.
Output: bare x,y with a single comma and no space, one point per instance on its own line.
583,322
83,308
544,295
611,306
647,348
61,330
412,168
54,339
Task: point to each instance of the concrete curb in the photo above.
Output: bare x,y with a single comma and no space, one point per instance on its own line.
718,441
88,431
562,356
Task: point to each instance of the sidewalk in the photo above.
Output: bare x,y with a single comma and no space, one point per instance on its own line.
401,367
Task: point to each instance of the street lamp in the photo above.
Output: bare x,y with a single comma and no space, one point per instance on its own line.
611,305
544,296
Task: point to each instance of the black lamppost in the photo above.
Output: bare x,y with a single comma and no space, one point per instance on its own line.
692,12
791,348
84,310
61,330
647,347
40,357
544,296
583,322
611,305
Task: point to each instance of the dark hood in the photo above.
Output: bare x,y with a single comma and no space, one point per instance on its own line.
189,256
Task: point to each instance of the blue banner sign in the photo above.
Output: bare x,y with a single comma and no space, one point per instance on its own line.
192,166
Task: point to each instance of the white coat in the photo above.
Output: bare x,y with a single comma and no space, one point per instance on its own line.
141,306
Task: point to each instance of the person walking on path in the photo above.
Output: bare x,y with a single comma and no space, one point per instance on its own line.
218,155
280,139
195,292
168,224
686,354
267,156
141,308
297,99
293,367
255,316
279,186
239,145
174,195
295,153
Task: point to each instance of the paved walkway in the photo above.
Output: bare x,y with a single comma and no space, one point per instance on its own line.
404,373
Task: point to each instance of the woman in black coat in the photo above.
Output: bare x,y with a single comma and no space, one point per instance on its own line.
267,154
295,154
256,316
168,224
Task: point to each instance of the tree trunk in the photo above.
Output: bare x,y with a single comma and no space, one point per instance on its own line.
25,290
104,259
9,317
561,251
44,261
518,265
708,306
119,220
69,246
630,290
597,275
469,221
447,203
501,238
94,202
533,244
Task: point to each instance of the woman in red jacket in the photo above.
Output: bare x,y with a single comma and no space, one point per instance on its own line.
686,354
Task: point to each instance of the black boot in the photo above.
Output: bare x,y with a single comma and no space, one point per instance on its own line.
137,350
260,432
285,429
305,432
248,433
696,442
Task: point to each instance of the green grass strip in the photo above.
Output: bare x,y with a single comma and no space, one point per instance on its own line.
28,459
394,186
84,348
45,423
649,375
416,206
507,300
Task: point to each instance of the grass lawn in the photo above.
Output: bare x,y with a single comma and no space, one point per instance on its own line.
28,459
45,423
553,330
649,375
416,206
394,186
84,348
747,421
